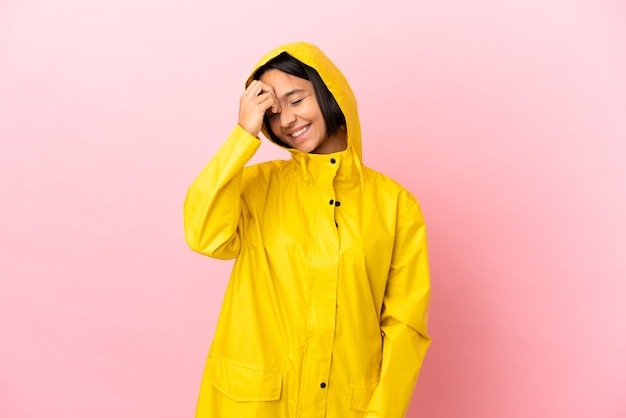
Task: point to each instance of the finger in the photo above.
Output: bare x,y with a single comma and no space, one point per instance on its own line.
275,104
267,89
253,89
269,101
266,101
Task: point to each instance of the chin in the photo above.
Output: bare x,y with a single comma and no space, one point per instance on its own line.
306,150
303,147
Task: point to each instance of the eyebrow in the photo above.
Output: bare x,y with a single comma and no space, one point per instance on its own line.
292,92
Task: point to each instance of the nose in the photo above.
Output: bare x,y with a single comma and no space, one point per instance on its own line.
287,118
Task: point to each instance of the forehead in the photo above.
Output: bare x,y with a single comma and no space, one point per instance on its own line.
283,83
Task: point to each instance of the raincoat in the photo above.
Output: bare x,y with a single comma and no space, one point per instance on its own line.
326,309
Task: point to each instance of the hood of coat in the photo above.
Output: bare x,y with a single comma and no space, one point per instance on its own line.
334,80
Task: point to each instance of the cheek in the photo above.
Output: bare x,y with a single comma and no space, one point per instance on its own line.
321,124
315,114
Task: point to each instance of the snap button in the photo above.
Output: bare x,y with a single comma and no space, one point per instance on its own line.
337,203
331,201
322,385
333,161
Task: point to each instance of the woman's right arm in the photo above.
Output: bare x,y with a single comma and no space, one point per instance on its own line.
212,210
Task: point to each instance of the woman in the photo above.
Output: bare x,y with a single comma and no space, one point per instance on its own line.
326,309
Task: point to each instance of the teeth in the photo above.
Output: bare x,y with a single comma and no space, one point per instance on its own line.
300,132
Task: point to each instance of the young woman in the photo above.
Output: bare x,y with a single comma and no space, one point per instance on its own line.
326,309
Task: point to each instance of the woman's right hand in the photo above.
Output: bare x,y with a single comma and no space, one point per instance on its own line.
253,105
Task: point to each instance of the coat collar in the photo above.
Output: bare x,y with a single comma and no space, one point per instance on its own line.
321,171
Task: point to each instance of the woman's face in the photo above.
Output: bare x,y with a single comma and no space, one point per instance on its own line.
299,122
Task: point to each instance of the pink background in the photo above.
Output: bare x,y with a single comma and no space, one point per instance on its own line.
507,119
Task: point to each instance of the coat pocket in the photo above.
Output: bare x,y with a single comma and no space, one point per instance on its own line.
243,382
361,391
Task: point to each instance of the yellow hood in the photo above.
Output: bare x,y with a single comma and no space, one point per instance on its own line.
334,80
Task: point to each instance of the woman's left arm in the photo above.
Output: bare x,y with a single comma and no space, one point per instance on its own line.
404,315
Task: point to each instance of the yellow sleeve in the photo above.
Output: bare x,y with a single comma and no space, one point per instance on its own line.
212,209
404,315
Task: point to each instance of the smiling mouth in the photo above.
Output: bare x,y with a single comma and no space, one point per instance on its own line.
299,132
